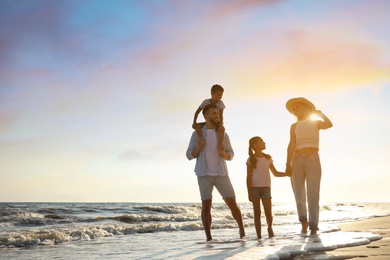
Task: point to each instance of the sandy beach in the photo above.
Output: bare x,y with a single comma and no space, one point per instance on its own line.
379,249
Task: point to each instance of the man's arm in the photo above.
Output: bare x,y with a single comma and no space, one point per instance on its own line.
198,148
224,154
228,153
194,147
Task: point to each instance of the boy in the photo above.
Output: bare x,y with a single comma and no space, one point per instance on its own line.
216,99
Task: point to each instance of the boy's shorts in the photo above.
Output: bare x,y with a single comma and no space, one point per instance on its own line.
261,192
222,183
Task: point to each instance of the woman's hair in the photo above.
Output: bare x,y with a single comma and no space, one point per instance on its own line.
252,158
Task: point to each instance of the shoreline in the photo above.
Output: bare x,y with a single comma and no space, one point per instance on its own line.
378,249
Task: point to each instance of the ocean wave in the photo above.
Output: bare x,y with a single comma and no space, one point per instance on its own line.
56,211
23,218
58,235
62,235
169,209
155,218
30,224
33,219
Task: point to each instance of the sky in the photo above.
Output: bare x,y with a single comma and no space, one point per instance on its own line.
97,97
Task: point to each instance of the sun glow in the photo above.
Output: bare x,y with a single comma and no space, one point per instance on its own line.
315,117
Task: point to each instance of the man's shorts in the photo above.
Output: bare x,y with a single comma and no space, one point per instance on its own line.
222,183
261,192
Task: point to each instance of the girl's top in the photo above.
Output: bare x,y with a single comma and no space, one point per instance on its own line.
260,175
220,104
307,134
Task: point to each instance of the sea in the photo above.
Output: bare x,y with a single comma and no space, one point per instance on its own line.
170,231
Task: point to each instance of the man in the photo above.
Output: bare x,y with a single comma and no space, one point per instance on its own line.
211,169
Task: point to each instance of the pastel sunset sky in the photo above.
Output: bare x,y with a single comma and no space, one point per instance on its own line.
97,97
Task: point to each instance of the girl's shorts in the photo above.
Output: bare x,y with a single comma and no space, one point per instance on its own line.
261,192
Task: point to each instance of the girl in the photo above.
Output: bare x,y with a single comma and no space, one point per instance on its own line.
258,182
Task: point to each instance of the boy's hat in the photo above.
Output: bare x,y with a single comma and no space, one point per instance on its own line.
290,104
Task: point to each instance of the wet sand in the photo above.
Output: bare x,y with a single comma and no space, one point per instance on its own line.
379,249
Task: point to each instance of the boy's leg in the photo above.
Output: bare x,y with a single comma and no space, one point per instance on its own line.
221,136
199,131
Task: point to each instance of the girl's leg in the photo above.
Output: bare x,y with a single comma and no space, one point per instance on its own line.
267,205
257,216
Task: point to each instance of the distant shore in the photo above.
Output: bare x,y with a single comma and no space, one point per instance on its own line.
379,249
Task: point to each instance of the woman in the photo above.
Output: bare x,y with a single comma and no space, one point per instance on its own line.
303,160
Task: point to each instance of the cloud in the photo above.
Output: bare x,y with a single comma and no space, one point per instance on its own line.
132,156
228,8
185,29
284,56
314,62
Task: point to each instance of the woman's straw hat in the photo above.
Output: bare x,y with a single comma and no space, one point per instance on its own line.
291,102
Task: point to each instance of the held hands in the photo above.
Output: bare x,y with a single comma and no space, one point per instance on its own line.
288,170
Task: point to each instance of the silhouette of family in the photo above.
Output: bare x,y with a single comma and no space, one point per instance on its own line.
210,146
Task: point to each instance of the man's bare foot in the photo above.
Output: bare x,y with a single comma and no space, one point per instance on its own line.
242,233
305,225
270,233
313,232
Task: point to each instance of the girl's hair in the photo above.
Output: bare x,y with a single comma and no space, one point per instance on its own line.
252,158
